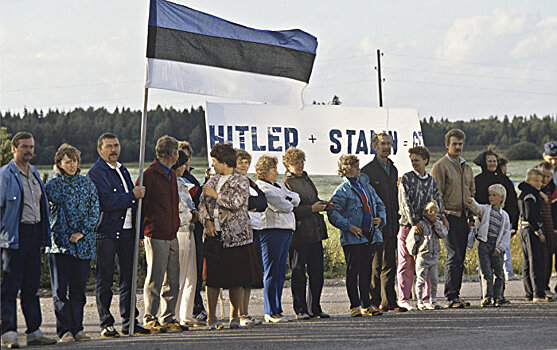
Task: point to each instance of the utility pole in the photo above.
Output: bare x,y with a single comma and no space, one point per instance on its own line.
379,79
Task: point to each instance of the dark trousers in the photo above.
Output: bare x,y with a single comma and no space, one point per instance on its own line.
455,244
383,270
358,259
532,264
119,251
68,277
21,271
198,236
310,255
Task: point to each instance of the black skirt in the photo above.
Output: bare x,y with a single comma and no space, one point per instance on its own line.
237,267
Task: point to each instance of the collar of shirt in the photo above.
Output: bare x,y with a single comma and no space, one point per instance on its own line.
166,170
420,176
462,160
118,165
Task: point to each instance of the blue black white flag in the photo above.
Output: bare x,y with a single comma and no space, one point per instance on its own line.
194,52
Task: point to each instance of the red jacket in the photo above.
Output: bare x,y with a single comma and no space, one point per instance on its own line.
160,204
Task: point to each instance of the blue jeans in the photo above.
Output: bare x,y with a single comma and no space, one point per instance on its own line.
274,250
68,277
21,270
491,267
110,251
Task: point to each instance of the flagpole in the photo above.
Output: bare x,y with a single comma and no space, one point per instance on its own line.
138,215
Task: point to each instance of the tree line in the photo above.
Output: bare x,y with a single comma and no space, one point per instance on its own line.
81,128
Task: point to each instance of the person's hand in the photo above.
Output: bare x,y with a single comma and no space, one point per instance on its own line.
469,200
210,229
495,253
376,222
318,206
76,237
418,229
210,192
209,172
139,192
542,238
544,196
445,222
356,231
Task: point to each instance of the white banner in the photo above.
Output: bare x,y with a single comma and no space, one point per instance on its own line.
324,133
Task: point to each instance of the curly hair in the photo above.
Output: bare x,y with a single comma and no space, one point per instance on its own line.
293,155
186,147
346,162
242,154
420,151
264,165
70,151
224,153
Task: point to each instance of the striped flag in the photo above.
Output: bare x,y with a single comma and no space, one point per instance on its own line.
194,52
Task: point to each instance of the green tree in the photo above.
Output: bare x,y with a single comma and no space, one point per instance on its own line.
5,146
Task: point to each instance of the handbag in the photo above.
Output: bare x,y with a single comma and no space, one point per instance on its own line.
212,248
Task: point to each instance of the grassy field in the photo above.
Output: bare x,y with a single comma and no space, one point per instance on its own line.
334,257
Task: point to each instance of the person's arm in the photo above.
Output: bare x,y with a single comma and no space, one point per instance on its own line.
257,203
439,176
91,208
381,211
476,208
110,200
531,215
53,193
334,214
439,229
276,199
303,210
506,232
405,210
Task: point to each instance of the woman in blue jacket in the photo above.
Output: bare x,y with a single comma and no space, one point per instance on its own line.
359,214
74,215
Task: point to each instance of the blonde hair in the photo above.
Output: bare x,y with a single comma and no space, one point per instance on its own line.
533,172
346,162
430,205
292,155
500,190
264,165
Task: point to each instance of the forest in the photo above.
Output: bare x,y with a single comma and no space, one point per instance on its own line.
81,128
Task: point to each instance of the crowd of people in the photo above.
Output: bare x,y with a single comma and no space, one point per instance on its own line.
239,234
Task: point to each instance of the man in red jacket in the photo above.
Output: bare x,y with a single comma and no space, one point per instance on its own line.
160,211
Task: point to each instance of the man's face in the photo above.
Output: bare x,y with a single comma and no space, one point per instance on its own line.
491,163
383,146
552,160
455,146
24,151
110,150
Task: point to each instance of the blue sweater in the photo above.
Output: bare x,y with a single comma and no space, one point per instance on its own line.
348,210
75,208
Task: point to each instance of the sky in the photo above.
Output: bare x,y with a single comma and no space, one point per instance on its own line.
445,58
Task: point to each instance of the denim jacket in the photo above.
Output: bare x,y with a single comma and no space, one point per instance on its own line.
11,206
75,208
348,210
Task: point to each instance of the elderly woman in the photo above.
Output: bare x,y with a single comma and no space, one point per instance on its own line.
257,203
186,244
306,248
223,211
74,215
277,224
359,213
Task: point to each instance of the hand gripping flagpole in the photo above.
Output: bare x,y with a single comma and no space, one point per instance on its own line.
138,215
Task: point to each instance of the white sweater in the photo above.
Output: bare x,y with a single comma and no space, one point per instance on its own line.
280,205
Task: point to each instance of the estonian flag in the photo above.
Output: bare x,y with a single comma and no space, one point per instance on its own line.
194,52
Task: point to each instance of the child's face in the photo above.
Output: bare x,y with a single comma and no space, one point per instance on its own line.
547,175
431,214
495,199
535,181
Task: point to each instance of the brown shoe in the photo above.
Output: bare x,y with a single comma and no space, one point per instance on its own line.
155,327
174,326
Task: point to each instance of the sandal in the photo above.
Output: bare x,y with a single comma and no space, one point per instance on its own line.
216,326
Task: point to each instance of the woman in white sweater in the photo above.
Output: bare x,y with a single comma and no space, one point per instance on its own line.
277,224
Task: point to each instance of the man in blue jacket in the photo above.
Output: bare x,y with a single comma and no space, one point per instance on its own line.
24,228
115,234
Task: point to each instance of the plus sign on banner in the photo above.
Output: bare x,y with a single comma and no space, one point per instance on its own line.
324,133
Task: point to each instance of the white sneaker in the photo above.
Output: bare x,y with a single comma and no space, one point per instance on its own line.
275,319
67,337
421,306
9,340
429,306
405,304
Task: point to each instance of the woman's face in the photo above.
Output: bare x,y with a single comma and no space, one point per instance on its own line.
296,167
272,175
180,170
218,166
68,165
418,162
354,171
242,165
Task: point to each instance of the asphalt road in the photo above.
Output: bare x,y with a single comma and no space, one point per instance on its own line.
521,325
